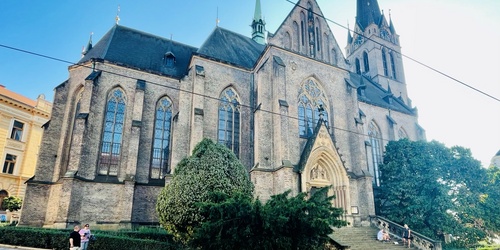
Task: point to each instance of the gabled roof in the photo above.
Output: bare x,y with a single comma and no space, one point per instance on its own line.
137,49
232,48
375,94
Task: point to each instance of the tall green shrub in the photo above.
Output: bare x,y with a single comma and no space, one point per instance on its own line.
211,167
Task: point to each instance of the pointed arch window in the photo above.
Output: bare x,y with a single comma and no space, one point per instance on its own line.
334,57
302,27
229,120
376,145
76,108
287,43
384,62
365,62
318,35
312,101
402,133
393,66
358,67
296,32
161,139
111,143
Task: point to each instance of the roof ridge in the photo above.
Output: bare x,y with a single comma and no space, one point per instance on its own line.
153,35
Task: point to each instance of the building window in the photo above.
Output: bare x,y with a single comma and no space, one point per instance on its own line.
114,119
169,59
384,62
402,133
9,164
312,101
334,57
296,32
302,28
358,67
3,195
376,142
17,131
287,42
161,140
365,62
393,66
229,121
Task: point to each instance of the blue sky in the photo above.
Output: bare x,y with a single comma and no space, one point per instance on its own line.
458,37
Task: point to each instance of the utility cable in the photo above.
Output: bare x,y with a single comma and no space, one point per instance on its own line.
403,55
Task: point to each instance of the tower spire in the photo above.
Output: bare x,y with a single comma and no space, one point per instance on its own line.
367,12
258,25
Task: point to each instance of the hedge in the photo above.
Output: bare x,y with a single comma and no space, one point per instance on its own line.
106,240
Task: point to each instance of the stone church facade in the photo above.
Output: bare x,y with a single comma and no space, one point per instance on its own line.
297,113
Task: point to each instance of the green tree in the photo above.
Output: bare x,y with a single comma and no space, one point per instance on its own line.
12,203
211,167
434,189
282,223
490,201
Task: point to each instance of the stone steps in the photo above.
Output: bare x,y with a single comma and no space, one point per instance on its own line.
364,238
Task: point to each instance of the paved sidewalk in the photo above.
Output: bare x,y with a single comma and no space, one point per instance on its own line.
9,247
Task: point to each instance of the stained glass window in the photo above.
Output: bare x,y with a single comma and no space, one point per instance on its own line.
365,62
358,67
311,98
161,139
393,66
376,142
384,62
114,119
229,121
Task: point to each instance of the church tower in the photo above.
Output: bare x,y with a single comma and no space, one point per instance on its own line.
258,25
374,51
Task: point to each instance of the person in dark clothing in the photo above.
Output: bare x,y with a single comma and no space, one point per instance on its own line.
74,239
407,236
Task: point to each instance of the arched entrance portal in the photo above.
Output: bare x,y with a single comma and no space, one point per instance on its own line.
323,168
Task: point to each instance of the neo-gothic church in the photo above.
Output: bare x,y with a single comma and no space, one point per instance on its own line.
298,113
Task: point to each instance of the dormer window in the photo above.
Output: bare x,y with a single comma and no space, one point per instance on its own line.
169,59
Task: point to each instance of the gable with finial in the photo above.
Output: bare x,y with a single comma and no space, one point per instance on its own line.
305,31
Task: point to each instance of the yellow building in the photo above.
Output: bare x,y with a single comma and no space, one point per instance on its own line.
21,129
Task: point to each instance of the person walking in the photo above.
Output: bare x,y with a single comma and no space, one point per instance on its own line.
85,237
74,239
407,236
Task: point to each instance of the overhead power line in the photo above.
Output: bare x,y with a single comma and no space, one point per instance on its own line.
403,55
250,106
173,88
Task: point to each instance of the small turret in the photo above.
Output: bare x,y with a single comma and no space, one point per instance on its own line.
258,25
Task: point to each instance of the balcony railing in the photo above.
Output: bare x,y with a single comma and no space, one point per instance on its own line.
396,231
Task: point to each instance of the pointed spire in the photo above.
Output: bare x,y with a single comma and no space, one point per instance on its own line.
258,12
86,50
258,25
367,12
391,26
349,37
